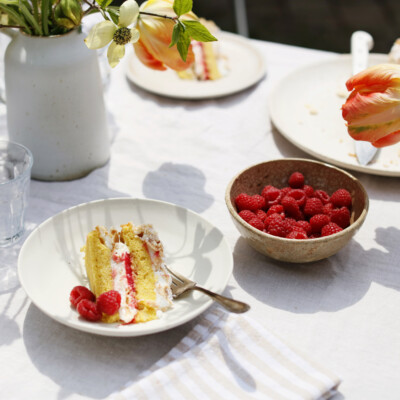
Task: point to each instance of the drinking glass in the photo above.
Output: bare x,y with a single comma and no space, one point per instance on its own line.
15,173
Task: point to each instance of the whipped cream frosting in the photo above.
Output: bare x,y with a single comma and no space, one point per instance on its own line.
127,310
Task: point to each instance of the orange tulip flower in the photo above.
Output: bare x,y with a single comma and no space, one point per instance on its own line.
155,36
372,110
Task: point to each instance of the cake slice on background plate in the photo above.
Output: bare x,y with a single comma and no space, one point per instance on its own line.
209,62
394,54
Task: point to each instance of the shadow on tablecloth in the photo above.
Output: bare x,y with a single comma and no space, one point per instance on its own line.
180,184
327,285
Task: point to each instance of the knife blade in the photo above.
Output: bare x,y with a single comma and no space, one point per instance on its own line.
361,43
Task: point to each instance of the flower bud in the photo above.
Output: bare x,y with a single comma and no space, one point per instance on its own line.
372,109
68,13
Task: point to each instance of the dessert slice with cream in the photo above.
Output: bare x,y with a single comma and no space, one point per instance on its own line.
130,261
209,62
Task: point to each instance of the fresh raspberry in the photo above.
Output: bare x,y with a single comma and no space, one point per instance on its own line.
313,206
109,302
318,221
247,215
271,218
309,190
297,229
285,190
290,222
259,200
291,207
341,217
272,196
305,225
88,310
277,227
266,188
296,180
341,198
246,202
241,201
297,234
327,209
322,195
79,293
314,236
299,195
257,223
278,208
261,214
330,229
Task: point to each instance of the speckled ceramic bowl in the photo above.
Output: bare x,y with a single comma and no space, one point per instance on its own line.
319,175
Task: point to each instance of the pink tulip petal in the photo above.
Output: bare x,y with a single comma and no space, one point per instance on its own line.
146,58
373,133
156,39
388,140
383,75
156,34
372,110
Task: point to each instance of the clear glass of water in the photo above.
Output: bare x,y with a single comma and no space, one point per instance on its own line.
15,174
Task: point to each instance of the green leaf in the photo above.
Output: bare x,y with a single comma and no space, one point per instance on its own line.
10,2
183,44
45,16
27,4
35,8
182,6
104,3
16,17
72,9
113,12
175,35
198,32
29,18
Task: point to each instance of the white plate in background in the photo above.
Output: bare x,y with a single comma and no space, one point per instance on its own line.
245,62
305,106
50,263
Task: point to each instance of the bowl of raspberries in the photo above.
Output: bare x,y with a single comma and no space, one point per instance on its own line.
296,210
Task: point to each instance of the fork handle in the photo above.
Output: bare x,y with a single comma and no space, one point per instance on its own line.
231,305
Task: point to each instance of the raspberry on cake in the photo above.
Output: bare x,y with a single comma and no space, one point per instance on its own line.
129,261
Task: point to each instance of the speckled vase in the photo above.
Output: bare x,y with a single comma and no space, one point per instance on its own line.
55,104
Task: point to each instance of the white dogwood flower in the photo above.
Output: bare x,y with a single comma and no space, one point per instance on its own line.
119,35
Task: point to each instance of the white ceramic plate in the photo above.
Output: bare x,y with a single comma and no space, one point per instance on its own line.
305,106
50,263
246,68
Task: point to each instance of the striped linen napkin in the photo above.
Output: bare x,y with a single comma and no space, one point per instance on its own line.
228,356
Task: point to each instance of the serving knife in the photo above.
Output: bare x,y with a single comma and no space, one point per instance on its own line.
361,43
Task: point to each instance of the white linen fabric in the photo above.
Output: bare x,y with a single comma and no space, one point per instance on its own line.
231,357
342,311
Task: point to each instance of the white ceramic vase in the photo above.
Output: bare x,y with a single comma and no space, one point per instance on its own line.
55,104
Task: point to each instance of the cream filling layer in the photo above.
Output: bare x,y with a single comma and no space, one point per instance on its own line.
127,310
163,282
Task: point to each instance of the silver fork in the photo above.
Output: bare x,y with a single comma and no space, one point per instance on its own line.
181,285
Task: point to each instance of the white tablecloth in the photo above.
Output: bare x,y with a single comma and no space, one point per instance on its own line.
343,311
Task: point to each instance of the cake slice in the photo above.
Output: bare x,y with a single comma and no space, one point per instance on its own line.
131,261
209,64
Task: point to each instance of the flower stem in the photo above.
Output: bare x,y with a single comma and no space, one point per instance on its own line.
97,7
158,15
11,26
